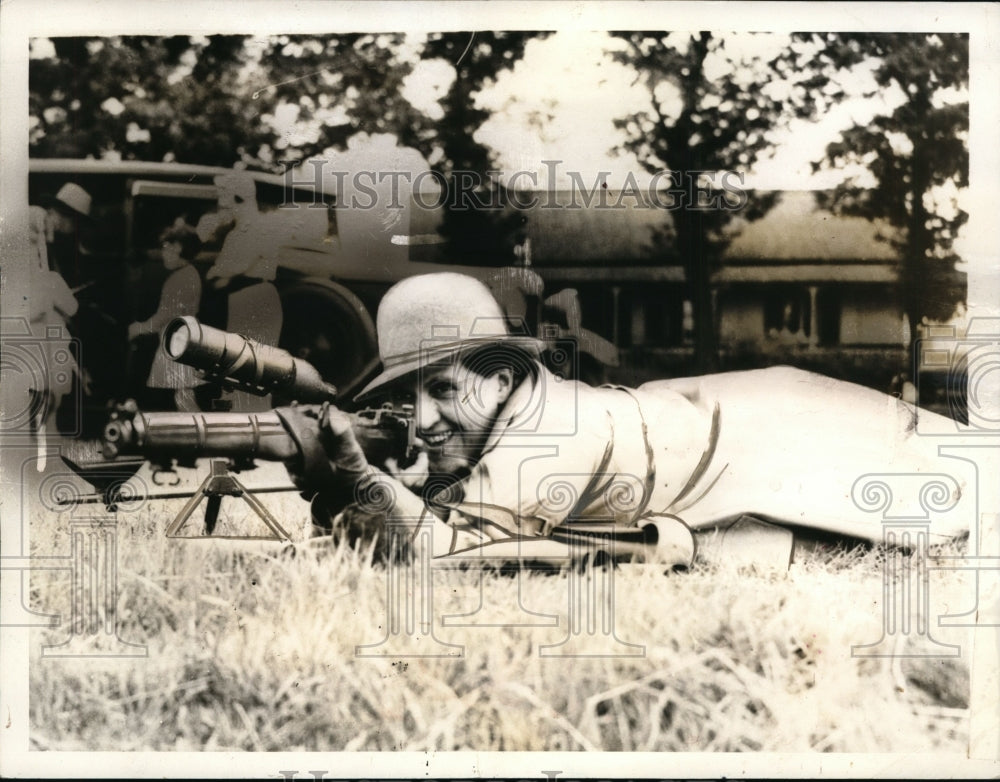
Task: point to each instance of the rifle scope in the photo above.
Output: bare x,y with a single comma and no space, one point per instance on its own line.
241,362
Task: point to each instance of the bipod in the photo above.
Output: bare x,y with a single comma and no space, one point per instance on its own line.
221,483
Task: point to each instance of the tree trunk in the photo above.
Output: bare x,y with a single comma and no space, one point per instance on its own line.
915,277
691,246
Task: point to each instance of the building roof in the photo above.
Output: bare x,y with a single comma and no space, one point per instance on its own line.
807,272
576,234
620,230
796,229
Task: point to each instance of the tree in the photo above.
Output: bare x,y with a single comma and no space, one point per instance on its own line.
917,154
216,100
348,84
475,236
714,104
142,97
338,86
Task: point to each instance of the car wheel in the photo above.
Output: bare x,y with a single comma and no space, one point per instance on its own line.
325,324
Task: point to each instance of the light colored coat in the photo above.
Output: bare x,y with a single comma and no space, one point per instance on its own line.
780,444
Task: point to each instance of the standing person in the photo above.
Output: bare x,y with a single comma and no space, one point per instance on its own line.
245,269
517,455
98,325
51,305
68,214
181,295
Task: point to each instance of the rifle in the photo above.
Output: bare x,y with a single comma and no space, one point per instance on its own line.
166,437
238,362
234,440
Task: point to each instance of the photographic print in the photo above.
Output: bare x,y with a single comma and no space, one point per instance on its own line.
525,390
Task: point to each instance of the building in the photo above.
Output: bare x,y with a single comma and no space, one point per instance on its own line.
806,287
799,286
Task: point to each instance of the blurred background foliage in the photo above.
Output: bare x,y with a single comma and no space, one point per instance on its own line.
717,103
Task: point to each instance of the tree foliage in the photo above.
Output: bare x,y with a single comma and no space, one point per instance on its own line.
233,99
715,104
917,154
482,235
143,98
190,94
339,85
360,82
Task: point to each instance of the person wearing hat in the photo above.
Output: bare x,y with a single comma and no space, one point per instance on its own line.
512,452
70,203
73,237
57,275
68,212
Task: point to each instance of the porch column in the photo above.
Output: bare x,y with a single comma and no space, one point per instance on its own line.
813,318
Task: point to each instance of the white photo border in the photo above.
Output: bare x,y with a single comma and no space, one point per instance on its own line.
22,20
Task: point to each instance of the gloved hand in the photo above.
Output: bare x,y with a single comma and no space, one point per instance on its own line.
312,473
412,477
337,436
331,459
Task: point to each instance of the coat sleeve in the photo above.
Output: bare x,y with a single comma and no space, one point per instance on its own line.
532,487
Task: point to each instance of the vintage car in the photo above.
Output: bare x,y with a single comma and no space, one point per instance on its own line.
333,266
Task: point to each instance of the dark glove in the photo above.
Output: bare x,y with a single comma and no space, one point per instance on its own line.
312,473
331,458
336,432
372,495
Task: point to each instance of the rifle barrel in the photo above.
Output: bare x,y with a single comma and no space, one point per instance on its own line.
165,436
193,435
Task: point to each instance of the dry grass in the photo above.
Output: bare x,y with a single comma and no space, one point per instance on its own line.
255,651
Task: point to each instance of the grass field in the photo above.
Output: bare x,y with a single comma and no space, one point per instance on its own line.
255,650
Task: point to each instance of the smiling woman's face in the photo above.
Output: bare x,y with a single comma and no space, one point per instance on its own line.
172,255
456,408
